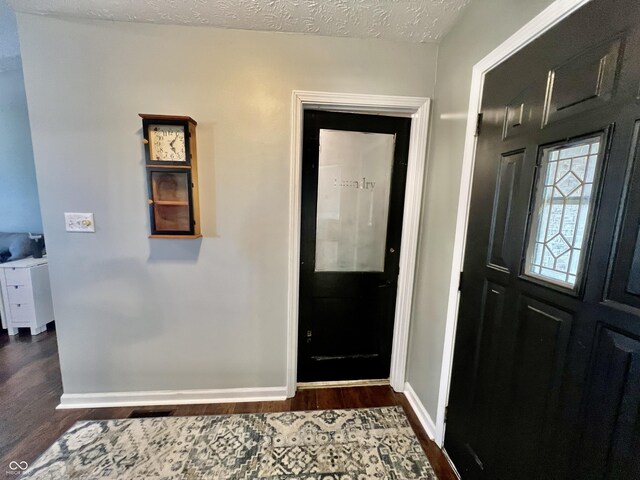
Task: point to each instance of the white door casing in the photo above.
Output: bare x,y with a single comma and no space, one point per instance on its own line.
418,109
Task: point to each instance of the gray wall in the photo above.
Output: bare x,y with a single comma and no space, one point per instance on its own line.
140,314
19,209
484,25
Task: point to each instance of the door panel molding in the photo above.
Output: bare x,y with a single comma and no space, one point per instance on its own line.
545,20
418,109
611,412
630,295
598,66
507,177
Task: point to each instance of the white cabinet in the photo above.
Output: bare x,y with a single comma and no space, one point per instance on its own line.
26,295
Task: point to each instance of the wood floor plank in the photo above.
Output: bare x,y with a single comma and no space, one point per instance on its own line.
247,407
381,396
108,413
218,408
305,400
30,389
278,406
191,410
329,398
355,397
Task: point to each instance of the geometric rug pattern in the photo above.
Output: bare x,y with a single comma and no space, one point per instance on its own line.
361,444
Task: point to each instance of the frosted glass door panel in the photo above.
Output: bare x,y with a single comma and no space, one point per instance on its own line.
354,181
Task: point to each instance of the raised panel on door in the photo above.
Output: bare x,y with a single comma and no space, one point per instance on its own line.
624,282
506,181
612,416
584,82
487,353
633,280
518,114
541,339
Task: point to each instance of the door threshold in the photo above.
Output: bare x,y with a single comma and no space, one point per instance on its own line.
343,383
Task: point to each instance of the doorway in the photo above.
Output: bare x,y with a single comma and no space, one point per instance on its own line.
544,382
353,185
416,108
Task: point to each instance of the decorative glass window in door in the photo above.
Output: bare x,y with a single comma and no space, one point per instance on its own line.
563,211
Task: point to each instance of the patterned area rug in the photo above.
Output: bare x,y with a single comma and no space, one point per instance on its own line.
363,444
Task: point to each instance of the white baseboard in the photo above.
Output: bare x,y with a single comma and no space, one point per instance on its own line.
170,397
425,419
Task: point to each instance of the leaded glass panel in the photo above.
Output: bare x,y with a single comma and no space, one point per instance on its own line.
562,211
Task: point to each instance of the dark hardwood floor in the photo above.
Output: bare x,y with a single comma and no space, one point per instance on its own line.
30,389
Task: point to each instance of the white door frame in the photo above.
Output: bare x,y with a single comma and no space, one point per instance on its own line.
552,15
418,109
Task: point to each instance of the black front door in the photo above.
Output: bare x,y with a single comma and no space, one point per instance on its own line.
353,182
546,372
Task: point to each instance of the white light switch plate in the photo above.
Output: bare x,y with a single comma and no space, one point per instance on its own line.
79,222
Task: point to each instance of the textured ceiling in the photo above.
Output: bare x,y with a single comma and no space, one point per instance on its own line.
403,20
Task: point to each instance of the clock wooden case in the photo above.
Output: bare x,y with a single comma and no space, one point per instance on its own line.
171,163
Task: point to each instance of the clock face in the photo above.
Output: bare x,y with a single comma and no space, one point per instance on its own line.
167,143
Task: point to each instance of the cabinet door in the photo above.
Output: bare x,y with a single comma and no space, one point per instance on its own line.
171,202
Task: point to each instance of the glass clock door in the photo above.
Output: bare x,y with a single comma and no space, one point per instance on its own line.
170,202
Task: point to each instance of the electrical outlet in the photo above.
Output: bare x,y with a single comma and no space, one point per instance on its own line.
79,222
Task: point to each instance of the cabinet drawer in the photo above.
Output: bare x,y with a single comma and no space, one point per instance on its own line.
21,313
17,276
19,294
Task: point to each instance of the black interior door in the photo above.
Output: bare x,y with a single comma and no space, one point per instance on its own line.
353,182
546,372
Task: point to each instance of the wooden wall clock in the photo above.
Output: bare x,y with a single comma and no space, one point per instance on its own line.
171,163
